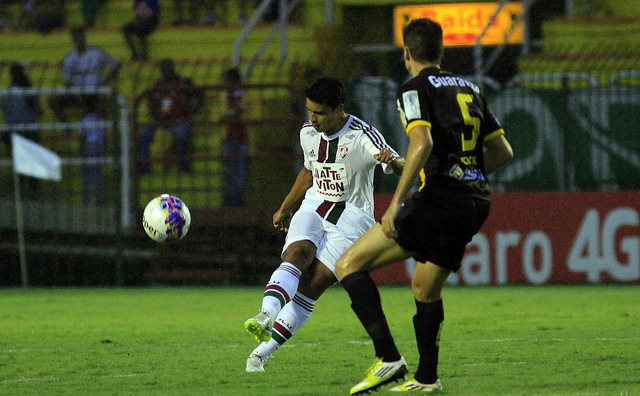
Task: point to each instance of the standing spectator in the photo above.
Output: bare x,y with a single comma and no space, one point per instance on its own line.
21,109
172,100
178,12
86,67
93,146
145,22
4,20
210,15
235,146
210,8
89,9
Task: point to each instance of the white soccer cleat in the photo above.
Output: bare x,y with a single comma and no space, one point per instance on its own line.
411,385
260,326
255,363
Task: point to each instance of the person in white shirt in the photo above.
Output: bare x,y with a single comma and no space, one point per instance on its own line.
84,66
335,192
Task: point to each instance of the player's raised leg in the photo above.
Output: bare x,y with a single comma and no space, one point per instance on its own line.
281,288
294,314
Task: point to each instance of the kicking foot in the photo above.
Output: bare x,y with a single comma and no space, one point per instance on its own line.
259,326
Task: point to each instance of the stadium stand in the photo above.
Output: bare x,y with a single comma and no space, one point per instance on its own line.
601,46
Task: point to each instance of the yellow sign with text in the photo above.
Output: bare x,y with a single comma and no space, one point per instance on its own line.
462,23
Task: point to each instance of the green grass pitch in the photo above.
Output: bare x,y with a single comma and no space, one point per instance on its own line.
515,340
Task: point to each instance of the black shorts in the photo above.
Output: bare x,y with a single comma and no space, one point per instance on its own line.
438,229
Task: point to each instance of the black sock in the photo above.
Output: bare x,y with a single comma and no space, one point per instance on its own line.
427,324
365,302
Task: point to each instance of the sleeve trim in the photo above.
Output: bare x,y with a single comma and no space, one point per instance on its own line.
494,135
416,123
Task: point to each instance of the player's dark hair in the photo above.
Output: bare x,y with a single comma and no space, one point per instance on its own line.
327,91
423,37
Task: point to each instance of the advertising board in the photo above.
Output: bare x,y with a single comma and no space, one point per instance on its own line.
462,23
543,238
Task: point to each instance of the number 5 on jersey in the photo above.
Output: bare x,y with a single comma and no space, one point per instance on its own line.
473,122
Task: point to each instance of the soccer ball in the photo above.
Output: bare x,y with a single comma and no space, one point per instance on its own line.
166,218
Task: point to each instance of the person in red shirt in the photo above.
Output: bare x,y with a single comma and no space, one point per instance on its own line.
235,146
172,100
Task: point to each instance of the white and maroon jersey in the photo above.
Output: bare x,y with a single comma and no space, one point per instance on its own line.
342,166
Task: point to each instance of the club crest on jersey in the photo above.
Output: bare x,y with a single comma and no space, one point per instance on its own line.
350,137
343,151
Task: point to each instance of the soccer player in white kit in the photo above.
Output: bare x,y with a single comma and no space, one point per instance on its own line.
335,187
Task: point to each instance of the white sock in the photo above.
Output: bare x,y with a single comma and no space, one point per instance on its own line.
280,288
289,320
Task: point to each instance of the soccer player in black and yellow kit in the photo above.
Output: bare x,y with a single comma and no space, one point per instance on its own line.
454,143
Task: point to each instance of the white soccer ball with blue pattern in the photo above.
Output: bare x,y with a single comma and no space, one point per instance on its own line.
166,218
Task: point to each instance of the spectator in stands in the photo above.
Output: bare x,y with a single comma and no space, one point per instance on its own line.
145,22
210,8
235,146
173,100
43,16
178,12
93,146
4,19
210,15
83,67
299,105
20,109
89,9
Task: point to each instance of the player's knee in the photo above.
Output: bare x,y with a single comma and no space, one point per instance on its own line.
300,255
347,264
424,291
314,287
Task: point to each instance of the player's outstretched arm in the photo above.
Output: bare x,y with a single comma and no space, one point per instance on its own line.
498,153
387,156
303,182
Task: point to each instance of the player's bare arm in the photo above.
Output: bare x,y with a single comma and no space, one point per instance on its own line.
420,145
387,156
498,153
303,182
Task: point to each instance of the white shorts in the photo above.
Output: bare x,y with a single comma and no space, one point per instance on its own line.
331,240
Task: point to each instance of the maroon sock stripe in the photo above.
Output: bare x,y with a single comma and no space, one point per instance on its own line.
286,334
280,290
288,268
324,208
303,304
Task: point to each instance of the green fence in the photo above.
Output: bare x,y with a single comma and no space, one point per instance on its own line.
571,140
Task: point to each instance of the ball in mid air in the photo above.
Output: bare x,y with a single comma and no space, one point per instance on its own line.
166,218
